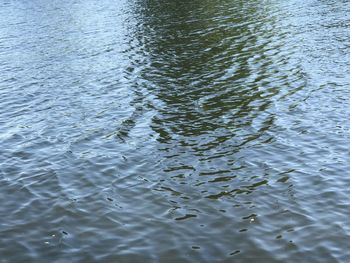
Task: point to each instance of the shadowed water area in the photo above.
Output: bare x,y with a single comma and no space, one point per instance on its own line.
174,131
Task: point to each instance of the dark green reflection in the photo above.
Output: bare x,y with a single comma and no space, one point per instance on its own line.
209,63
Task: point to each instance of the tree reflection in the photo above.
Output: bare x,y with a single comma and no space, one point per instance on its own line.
208,63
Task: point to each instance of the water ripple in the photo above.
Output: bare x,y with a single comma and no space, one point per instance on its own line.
174,131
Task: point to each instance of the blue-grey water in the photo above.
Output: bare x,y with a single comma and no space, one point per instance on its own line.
174,131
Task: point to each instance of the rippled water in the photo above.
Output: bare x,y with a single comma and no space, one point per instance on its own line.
174,131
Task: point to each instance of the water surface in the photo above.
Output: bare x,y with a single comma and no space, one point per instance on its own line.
174,131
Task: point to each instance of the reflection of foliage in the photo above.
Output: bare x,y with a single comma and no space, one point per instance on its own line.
192,61
209,63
